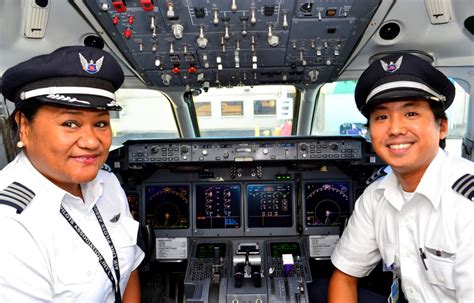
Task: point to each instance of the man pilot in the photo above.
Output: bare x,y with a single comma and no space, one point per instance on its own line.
419,217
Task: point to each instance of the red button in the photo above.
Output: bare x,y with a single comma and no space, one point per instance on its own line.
127,33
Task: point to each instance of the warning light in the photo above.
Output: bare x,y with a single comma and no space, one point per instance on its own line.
176,70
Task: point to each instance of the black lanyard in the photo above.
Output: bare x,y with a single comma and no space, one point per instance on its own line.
102,262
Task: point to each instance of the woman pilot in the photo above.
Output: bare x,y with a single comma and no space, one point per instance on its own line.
66,231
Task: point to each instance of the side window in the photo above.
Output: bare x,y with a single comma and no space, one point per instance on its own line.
145,114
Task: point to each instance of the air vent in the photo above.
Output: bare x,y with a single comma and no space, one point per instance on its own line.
389,31
439,11
469,24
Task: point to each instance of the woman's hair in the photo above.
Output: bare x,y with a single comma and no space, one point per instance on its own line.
29,109
439,114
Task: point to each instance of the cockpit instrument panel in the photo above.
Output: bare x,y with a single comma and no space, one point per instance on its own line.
167,205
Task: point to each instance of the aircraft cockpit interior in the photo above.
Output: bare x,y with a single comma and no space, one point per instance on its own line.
239,146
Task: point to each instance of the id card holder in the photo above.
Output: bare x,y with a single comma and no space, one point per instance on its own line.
394,290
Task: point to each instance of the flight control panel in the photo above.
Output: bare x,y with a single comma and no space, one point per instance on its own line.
246,225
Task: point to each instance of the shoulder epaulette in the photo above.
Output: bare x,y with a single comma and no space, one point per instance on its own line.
17,196
106,167
465,186
379,173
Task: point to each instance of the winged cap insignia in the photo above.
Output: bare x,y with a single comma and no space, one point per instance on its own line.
391,67
91,67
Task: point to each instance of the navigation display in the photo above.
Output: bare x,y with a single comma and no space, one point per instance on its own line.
270,205
167,206
218,206
326,203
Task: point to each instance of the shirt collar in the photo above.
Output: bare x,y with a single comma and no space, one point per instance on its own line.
38,183
430,184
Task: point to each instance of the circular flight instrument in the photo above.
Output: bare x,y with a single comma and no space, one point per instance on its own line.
168,207
326,203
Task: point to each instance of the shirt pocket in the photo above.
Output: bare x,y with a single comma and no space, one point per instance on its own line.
388,252
77,265
440,266
124,236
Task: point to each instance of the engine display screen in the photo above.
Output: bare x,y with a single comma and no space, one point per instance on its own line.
218,206
326,203
167,206
210,250
279,248
270,205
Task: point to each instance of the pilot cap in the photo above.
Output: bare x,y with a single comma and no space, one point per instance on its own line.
401,76
76,76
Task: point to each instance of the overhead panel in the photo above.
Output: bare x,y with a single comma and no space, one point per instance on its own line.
214,43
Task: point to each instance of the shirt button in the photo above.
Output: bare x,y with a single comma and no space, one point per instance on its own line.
410,289
408,254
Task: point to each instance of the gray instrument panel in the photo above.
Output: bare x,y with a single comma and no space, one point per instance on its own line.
155,152
213,43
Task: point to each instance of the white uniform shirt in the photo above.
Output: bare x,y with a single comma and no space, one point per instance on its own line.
436,219
43,259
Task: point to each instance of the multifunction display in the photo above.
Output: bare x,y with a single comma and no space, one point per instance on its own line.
218,206
326,203
270,205
167,206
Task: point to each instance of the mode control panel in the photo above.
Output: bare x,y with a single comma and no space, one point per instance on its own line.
156,153
245,150
330,149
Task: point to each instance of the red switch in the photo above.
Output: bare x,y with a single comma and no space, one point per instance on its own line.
176,70
119,6
115,20
147,5
192,69
127,33
131,19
